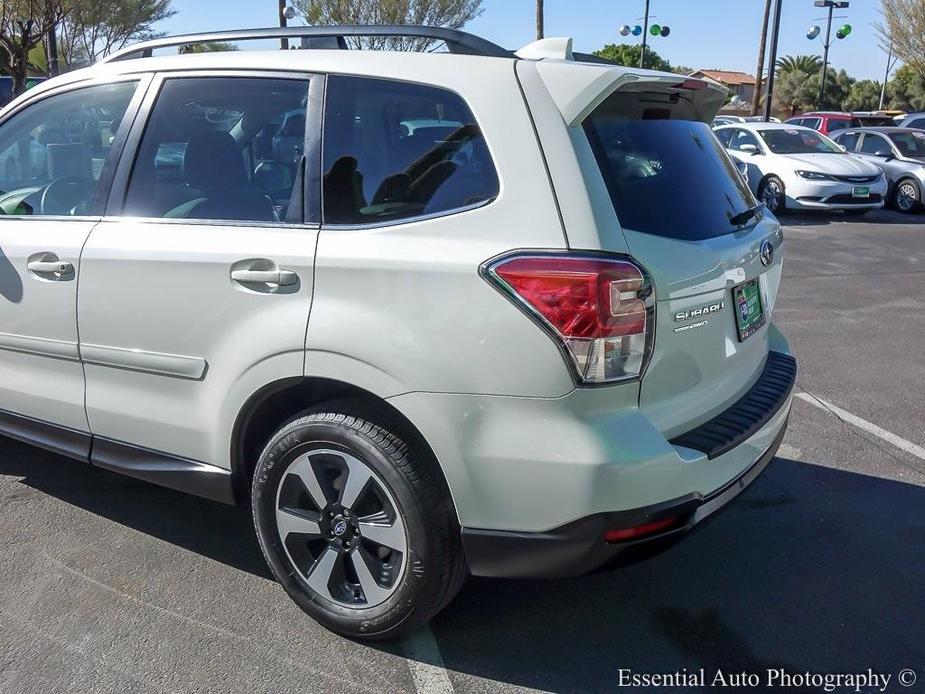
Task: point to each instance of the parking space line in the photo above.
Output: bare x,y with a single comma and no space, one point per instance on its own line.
426,664
869,427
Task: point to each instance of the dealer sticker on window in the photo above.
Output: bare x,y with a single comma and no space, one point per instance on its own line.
748,309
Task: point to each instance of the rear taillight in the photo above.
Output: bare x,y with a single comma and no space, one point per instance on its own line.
597,308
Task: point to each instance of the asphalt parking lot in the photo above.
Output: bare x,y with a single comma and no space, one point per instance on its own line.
112,585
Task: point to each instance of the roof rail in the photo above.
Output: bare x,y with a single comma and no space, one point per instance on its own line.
322,37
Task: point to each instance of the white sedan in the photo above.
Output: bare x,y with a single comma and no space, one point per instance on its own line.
789,167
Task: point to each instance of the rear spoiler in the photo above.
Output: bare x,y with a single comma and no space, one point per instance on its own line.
578,87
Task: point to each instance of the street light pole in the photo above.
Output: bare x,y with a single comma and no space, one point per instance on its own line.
283,22
772,62
886,76
645,34
825,53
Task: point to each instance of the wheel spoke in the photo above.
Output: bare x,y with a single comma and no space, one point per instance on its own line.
294,522
319,575
391,536
358,475
306,472
371,589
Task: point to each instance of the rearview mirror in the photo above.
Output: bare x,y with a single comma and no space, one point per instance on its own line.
885,153
842,147
751,149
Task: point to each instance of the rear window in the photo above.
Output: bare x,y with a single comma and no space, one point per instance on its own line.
668,178
395,151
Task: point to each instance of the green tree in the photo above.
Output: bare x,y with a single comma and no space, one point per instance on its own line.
628,54
807,64
679,69
792,93
906,91
24,24
454,14
904,26
863,95
92,29
211,47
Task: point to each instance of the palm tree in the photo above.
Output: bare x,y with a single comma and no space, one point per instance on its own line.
807,64
540,30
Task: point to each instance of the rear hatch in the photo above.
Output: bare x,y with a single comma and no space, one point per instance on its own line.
680,201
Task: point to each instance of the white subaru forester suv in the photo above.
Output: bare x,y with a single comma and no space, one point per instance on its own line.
430,314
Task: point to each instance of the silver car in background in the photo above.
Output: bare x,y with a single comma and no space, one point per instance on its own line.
900,154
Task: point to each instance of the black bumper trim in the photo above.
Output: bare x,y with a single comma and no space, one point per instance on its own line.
579,547
749,414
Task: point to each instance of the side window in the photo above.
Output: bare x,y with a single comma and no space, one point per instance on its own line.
220,148
52,153
918,123
743,137
816,123
873,144
849,141
395,150
724,136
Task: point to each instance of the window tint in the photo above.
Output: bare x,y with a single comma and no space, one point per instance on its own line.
910,144
52,153
222,148
798,141
724,136
873,144
814,123
394,150
919,123
849,141
669,178
743,137
837,124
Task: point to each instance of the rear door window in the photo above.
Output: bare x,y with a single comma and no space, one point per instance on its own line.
873,144
849,141
395,151
221,148
668,178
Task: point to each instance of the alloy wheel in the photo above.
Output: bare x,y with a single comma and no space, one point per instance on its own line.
907,196
341,529
772,195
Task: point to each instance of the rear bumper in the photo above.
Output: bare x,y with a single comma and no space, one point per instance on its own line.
579,547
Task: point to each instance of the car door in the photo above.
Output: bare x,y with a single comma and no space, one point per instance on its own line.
751,159
57,154
879,151
197,284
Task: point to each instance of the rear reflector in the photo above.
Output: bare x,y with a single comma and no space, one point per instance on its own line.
640,531
595,308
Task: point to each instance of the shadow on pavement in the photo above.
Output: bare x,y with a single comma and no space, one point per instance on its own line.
812,218
810,569
220,532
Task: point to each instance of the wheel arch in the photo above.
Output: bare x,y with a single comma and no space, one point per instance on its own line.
274,404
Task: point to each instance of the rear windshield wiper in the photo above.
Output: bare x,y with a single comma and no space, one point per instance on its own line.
746,215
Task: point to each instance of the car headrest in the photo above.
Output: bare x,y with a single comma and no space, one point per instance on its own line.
69,159
213,162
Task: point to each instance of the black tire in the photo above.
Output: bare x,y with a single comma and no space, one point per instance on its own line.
433,568
777,203
906,196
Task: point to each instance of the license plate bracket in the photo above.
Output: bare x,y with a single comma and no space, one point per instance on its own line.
749,310
860,192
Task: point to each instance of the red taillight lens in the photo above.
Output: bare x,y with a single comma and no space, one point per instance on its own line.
593,305
640,531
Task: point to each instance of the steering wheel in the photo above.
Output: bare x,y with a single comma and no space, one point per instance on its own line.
67,196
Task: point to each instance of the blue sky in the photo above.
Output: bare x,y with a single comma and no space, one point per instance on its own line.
704,33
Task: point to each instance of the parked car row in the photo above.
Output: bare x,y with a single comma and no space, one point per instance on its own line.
792,167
